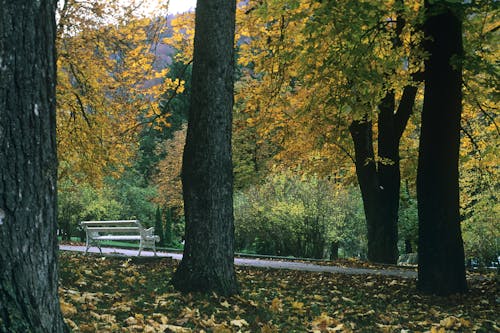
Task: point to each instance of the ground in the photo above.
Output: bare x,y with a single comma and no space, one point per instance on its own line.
116,294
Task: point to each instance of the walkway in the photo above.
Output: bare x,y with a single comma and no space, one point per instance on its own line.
261,263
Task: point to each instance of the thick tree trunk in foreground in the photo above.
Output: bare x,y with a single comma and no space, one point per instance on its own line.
441,254
28,168
207,175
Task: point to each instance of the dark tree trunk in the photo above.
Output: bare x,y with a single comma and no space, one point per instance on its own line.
207,175
441,253
28,168
334,250
408,247
380,181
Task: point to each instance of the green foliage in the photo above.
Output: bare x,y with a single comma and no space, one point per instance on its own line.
83,202
136,197
289,215
125,198
408,221
168,226
159,226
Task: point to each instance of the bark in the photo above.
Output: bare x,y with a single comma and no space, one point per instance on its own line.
380,181
408,247
441,253
28,168
334,250
207,176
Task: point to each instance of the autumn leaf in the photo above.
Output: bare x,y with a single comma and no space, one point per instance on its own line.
68,309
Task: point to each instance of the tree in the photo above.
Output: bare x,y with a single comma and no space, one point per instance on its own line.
441,252
159,226
109,82
360,81
207,175
168,227
28,168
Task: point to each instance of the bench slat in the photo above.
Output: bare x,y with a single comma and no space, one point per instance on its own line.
117,237
114,222
114,229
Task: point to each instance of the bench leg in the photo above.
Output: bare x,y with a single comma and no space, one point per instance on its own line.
87,245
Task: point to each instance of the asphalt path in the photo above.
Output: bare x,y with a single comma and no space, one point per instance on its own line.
260,263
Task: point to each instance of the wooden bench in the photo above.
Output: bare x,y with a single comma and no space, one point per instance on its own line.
127,230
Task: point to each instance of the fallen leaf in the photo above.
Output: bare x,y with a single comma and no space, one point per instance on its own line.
239,322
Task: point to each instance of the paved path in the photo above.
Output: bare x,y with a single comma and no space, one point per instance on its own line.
261,263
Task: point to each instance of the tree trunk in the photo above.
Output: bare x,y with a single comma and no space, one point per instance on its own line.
408,247
441,253
28,168
377,190
380,181
207,175
334,250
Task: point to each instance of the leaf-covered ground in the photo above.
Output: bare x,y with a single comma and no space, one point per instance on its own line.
106,294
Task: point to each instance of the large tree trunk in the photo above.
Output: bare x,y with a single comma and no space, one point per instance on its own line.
441,253
207,175
28,168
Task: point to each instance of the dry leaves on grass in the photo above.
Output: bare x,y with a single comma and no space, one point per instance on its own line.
134,295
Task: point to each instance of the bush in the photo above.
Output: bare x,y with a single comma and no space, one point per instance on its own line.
299,216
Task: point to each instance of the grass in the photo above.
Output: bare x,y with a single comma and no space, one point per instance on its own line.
112,294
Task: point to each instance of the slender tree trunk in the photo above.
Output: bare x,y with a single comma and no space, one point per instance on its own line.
334,250
408,247
441,253
28,168
207,175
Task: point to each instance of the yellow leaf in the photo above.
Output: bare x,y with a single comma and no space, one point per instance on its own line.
239,322
276,305
225,304
131,321
176,329
67,309
161,318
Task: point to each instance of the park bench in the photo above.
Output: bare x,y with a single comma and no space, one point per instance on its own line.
126,230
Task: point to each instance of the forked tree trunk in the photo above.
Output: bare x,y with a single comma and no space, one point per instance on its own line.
441,267
379,176
28,168
207,175
380,181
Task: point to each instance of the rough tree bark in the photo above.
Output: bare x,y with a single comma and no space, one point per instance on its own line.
441,267
207,175
28,168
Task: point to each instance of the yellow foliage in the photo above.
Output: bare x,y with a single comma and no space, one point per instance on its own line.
168,178
108,76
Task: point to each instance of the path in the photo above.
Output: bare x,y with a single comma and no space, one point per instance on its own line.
261,263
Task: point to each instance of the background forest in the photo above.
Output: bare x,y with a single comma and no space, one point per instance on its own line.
311,76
